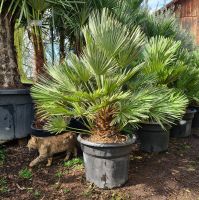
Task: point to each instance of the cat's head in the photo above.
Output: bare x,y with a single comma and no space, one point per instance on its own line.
33,143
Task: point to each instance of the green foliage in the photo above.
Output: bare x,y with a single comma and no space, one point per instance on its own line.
18,40
170,65
88,191
162,24
130,12
161,59
2,155
31,9
37,194
3,185
25,173
59,174
188,82
66,190
167,25
73,18
168,106
92,86
74,162
194,59
56,124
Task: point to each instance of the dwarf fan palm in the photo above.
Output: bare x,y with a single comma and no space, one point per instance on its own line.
188,82
92,86
172,66
161,59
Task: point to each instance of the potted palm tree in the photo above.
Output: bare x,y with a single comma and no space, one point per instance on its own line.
163,68
193,85
16,110
15,101
93,87
174,67
188,82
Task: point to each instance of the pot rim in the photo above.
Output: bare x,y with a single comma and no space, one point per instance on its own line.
129,142
14,91
148,123
155,123
37,129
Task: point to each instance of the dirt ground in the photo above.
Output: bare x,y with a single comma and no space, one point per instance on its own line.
170,175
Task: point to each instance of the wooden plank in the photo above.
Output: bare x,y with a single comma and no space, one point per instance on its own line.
197,35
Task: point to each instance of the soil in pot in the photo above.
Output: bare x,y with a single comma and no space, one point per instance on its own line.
106,164
153,138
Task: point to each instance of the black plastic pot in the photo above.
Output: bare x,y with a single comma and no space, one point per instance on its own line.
40,132
195,121
74,123
183,128
189,115
106,165
153,138
16,114
179,130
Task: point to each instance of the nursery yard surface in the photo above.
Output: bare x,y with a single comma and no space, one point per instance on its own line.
170,175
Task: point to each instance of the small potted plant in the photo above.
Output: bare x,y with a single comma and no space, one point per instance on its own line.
92,87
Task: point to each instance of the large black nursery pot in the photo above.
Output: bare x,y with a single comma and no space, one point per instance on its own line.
106,165
153,138
16,114
37,132
183,128
195,121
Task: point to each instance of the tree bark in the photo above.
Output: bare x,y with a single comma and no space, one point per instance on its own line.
62,45
9,75
39,52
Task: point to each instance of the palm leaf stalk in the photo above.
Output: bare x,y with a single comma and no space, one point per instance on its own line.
91,87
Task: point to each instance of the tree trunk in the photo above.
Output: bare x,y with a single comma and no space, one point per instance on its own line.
9,75
39,51
62,45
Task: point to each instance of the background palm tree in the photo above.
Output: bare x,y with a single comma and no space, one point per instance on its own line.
12,12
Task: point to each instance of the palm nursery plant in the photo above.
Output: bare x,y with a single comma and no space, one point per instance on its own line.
174,68
92,87
161,59
172,65
16,108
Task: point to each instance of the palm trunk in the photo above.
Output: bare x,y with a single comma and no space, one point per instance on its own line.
39,52
9,75
62,45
